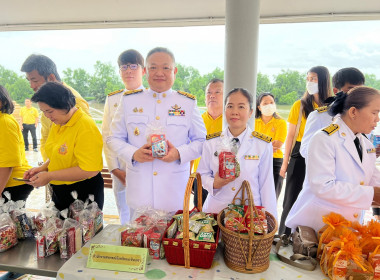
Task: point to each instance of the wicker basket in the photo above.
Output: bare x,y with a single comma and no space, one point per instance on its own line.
188,252
247,253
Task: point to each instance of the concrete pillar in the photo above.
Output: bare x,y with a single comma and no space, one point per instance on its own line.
242,36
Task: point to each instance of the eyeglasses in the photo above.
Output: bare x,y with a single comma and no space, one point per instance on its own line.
131,66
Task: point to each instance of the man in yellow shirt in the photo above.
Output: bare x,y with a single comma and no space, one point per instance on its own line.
29,122
213,119
40,69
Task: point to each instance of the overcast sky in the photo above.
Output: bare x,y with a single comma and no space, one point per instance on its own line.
297,46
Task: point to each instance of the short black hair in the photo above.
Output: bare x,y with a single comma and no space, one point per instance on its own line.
358,97
214,81
55,95
350,75
44,65
160,49
130,56
7,106
243,91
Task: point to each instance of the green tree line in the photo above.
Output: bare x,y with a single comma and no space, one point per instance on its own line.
287,86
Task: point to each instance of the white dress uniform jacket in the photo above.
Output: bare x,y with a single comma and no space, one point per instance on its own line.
157,184
316,121
113,162
258,171
336,180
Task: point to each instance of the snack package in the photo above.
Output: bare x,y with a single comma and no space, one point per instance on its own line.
88,225
234,218
172,229
51,233
229,166
159,145
76,207
8,235
260,224
155,245
96,213
348,263
70,238
132,237
24,222
375,263
40,245
156,138
48,211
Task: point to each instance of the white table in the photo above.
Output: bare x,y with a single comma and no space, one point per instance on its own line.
75,267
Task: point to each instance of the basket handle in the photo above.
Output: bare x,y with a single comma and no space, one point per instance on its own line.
186,204
246,189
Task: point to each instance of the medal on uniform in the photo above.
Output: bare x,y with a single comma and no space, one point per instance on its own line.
63,149
251,157
141,110
176,111
370,151
137,131
135,110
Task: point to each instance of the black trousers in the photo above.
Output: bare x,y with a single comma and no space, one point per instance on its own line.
376,211
277,163
195,190
20,192
294,181
62,197
32,129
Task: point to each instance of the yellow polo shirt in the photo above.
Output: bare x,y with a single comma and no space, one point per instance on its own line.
293,117
275,128
46,123
77,143
29,115
12,149
212,126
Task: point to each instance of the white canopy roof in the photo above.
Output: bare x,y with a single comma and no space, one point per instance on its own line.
72,14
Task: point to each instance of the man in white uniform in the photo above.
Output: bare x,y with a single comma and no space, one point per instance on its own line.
343,80
131,69
157,182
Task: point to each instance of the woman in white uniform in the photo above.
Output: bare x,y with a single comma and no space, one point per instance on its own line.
254,152
341,175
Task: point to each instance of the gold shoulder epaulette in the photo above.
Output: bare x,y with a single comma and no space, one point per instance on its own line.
188,95
114,92
261,136
130,92
322,109
213,135
332,128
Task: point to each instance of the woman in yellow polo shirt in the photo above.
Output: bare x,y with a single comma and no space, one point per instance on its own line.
74,149
13,163
318,89
268,122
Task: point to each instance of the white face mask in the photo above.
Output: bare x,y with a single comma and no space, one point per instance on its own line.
268,110
312,87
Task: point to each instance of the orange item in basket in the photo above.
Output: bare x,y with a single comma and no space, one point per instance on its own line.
335,223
